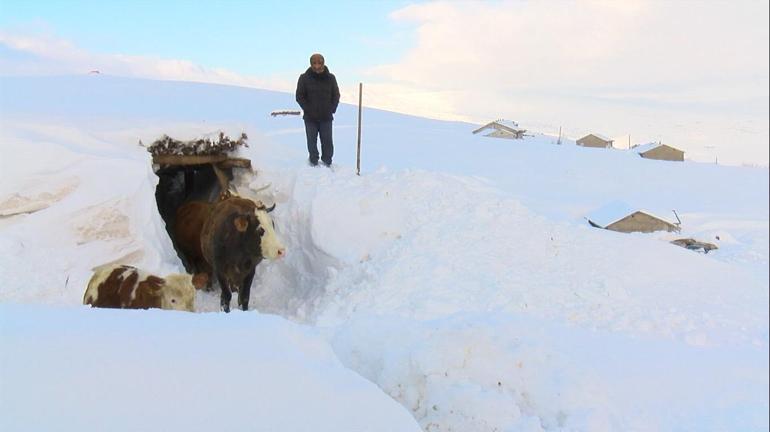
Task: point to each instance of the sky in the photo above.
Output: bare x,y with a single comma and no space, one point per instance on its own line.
692,74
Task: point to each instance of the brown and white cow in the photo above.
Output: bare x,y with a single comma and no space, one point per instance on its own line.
237,235
125,287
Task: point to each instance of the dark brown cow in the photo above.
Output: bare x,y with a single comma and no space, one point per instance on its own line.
188,224
125,287
237,235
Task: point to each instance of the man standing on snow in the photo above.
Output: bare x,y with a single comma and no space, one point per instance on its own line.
318,95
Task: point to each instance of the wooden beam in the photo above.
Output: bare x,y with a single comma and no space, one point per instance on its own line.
223,161
235,163
188,159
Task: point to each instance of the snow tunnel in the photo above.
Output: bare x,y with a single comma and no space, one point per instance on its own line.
185,178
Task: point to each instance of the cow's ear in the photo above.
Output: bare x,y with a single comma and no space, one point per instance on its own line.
241,223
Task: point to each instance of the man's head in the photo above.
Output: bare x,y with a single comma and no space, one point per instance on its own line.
317,63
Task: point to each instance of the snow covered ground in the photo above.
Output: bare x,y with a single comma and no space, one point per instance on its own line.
457,274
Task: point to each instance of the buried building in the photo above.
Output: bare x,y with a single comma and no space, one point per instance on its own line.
659,151
618,216
595,140
502,129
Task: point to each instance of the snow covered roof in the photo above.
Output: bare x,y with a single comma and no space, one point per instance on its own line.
644,148
501,124
617,210
510,123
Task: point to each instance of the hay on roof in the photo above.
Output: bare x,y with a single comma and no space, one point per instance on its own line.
223,145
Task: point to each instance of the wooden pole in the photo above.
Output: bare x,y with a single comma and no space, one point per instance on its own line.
358,147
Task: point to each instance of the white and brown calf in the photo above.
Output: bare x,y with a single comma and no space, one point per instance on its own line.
125,287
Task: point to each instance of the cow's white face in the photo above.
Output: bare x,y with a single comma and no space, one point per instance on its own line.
178,293
272,248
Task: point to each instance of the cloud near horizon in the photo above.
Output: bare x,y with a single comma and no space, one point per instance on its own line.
658,52
46,55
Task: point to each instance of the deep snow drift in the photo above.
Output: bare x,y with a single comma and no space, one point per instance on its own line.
130,371
457,273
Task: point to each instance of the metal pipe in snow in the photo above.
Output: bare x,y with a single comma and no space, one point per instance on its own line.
358,147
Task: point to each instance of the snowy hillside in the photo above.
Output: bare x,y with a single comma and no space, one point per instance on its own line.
457,274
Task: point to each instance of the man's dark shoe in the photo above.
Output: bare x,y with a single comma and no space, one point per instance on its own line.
312,163
326,164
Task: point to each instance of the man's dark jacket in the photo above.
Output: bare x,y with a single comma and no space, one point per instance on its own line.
318,95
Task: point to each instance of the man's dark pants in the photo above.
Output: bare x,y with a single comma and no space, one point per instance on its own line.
324,129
